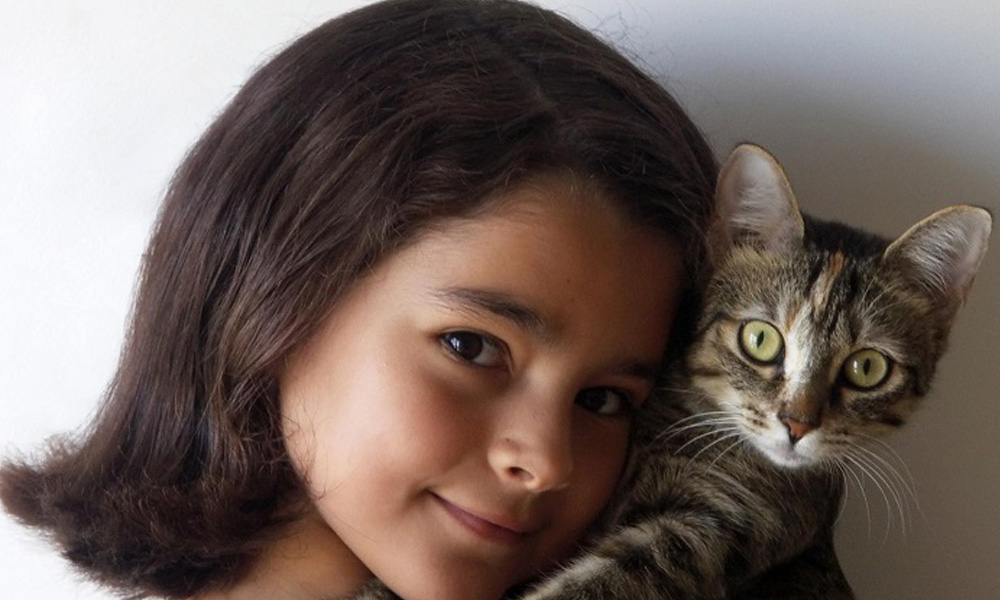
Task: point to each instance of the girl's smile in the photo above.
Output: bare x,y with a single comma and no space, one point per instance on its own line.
502,528
463,415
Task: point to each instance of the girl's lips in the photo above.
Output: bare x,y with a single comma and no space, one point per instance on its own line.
483,527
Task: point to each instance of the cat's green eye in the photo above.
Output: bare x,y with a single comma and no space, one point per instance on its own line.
866,369
761,341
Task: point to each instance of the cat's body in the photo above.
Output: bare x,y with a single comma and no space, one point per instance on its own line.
701,518
814,339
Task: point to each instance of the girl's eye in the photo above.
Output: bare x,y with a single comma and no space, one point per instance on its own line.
603,401
761,341
476,348
866,369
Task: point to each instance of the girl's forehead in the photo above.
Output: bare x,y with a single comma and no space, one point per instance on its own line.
539,235
547,197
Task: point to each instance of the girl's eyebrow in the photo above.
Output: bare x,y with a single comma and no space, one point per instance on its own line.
500,304
510,308
641,370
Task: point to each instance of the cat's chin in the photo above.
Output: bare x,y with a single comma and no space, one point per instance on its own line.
787,456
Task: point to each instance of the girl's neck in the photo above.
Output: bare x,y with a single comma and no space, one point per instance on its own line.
309,562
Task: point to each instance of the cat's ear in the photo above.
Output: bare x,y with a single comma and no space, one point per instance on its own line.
942,253
754,205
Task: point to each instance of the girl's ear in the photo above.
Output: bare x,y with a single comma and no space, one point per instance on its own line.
754,205
942,253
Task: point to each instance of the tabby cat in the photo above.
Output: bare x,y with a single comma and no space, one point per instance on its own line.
814,340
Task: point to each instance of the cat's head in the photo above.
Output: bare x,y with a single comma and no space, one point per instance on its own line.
815,335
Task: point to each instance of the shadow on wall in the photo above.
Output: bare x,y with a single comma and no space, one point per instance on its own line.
884,170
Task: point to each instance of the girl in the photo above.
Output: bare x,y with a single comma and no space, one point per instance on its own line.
399,304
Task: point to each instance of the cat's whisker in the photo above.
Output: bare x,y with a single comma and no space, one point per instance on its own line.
890,483
708,421
864,494
909,482
695,439
906,484
715,431
878,480
739,440
842,470
890,492
700,416
674,429
729,434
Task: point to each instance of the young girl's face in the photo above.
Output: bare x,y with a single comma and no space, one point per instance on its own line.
464,413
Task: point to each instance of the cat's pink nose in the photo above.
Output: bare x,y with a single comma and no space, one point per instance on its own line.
796,429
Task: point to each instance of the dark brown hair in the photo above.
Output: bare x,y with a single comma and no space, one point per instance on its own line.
340,149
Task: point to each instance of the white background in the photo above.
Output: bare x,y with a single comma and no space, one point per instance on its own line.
880,111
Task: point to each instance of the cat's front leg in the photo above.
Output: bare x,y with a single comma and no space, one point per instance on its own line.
656,561
815,574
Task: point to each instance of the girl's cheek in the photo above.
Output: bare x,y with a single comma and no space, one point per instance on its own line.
602,450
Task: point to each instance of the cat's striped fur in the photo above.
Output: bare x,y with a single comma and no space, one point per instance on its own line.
739,463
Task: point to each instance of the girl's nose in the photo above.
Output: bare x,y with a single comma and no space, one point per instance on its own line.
534,448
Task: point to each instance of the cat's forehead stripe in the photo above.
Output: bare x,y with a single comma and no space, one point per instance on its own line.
824,283
791,314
